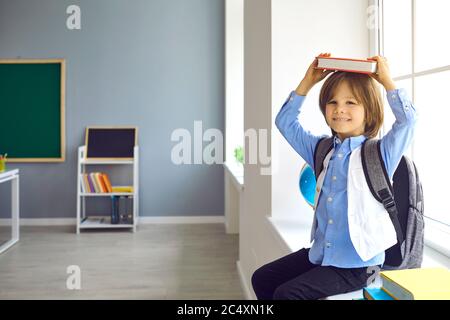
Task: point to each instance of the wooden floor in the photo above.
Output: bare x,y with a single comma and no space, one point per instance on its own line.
190,261
5,234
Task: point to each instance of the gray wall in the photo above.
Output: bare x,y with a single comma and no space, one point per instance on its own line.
156,64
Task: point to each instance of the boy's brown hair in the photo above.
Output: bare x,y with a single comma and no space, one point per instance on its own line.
366,92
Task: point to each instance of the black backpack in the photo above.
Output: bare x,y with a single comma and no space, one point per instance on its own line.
403,200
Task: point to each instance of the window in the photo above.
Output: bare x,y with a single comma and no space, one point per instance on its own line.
234,91
414,38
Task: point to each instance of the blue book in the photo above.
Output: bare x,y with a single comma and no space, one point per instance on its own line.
376,294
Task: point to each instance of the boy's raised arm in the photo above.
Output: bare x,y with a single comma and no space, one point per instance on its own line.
398,139
286,121
394,144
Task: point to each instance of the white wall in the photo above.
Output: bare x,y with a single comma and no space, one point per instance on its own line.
281,38
301,30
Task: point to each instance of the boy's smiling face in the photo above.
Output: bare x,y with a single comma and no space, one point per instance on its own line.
344,114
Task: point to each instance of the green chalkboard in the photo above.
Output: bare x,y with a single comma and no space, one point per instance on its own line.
32,95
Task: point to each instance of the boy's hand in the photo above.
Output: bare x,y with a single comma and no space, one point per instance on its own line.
383,74
312,76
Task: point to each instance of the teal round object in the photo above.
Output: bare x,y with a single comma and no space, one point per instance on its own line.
307,184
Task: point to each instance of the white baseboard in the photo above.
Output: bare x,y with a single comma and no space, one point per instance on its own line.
181,220
141,220
247,292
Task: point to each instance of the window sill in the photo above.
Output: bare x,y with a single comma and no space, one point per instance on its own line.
236,172
437,234
293,234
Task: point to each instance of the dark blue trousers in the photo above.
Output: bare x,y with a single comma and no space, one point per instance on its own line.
294,277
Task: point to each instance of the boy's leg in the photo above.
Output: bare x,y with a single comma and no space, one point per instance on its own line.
322,282
268,277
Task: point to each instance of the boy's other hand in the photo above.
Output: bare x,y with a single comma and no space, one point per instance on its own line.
383,74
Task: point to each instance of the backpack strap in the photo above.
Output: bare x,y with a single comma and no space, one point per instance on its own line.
323,147
378,181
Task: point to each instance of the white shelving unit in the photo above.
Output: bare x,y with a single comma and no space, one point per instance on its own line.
83,223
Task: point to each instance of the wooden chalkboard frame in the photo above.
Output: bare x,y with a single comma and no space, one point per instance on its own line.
62,62
112,128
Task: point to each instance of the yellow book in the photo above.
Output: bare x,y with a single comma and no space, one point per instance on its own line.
417,284
122,189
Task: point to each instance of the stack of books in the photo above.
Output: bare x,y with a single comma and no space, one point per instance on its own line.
98,182
95,182
412,284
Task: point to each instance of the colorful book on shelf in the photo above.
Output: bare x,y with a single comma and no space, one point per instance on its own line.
122,189
101,183
346,64
98,182
107,182
92,180
102,179
376,294
417,284
82,184
86,184
95,182
91,183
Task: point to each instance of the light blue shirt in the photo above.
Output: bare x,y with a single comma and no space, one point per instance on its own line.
332,245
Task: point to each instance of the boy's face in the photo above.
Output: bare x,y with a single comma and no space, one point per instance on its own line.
344,114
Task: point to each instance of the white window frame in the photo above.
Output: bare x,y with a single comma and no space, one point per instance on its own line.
234,84
437,233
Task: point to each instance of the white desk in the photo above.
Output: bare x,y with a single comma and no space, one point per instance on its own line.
13,176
